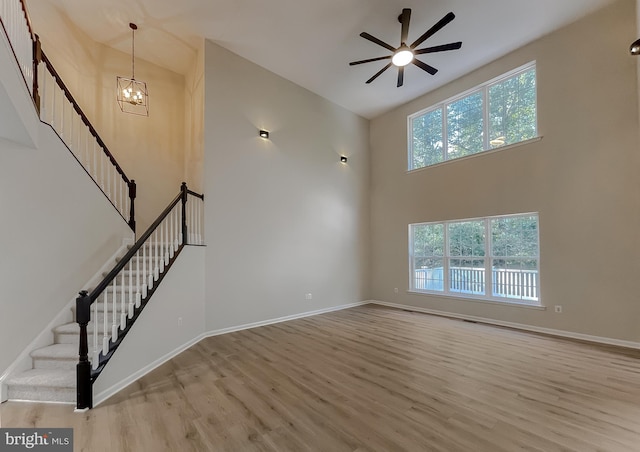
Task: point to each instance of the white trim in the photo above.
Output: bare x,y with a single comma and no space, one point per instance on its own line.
23,361
248,326
517,326
478,154
479,299
114,389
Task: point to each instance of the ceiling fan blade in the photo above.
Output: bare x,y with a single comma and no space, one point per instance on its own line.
433,30
377,74
373,39
388,57
404,19
442,48
400,76
425,67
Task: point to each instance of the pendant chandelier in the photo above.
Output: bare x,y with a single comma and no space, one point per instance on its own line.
132,94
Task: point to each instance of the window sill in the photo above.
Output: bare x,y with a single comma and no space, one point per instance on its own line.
462,297
487,152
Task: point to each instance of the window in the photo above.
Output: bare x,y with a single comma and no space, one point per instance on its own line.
493,258
495,114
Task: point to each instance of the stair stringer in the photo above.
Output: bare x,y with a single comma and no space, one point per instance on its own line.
24,361
158,334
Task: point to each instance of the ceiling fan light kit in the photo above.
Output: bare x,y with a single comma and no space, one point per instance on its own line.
404,54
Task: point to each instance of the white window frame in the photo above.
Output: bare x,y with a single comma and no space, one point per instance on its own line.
484,89
488,260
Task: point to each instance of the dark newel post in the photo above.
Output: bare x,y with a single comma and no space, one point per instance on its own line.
132,210
83,369
183,188
37,58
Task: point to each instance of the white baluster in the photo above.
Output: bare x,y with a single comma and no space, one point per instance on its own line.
85,145
105,333
176,218
42,79
114,184
165,240
108,171
199,222
96,351
156,268
94,161
53,103
144,270
127,201
114,323
131,299
150,284
138,294
123,302
101,159
171,232
120,198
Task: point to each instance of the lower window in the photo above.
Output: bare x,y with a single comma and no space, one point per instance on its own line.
492,258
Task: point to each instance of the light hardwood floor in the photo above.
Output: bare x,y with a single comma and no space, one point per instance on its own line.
368,379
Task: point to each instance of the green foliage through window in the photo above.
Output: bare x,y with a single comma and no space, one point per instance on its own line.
495,114
494,258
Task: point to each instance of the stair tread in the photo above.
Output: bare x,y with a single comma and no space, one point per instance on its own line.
56,351
73,328
51,378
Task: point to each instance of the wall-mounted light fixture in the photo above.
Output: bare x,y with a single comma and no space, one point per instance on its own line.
264,134
343,159
634,49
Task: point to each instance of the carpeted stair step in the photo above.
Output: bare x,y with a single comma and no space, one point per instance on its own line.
50,385
56,356
69,333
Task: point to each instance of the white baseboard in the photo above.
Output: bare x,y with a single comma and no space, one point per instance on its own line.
114,389
247,326
518,326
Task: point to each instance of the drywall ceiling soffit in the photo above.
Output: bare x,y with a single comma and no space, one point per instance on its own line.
311,42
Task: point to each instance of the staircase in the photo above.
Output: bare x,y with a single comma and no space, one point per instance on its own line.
65,370
53,375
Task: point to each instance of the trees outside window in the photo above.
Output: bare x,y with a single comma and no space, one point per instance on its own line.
494,258
492,115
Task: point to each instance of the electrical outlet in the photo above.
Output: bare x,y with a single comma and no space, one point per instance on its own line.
308,296
395,290
559,309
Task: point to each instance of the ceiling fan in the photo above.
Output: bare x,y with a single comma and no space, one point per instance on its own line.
405,54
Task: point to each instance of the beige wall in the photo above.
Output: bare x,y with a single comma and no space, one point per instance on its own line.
582,178
283,216
149,149
194,123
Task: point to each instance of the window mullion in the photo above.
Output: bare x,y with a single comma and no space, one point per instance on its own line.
412,263
488,279
445,262
445,134
485,118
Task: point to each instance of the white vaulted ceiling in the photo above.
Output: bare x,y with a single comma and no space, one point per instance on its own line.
311,42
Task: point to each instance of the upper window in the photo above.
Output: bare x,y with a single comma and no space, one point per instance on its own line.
497,113
494,258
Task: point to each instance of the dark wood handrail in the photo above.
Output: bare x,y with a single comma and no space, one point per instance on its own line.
95,293
197,195
85,120
28,19
85,376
